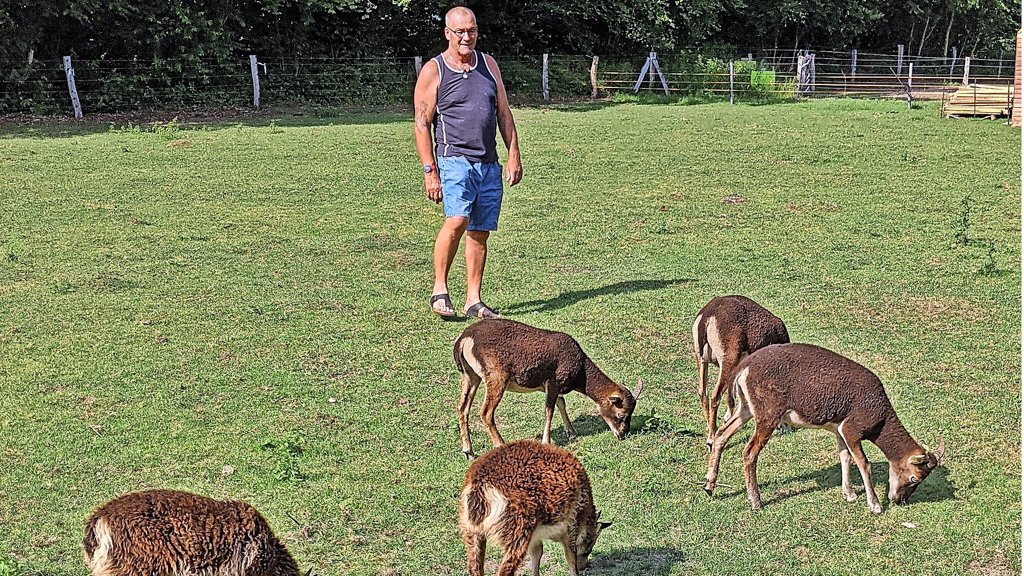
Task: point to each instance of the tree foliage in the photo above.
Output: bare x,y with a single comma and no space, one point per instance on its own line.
141,53
351,28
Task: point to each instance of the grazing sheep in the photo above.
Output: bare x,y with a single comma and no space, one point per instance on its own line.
171,533
521,494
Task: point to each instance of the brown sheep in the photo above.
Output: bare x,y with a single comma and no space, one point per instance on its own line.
521,494
811,387
167,533
512,356
727,329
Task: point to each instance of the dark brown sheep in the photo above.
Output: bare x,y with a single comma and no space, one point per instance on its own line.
512,356
727,329
811,387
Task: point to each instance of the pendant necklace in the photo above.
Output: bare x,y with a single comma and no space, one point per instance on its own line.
465,73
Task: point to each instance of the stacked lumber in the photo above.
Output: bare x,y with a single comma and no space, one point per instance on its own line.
980,100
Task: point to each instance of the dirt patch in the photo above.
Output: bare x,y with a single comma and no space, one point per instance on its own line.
942,306
998,565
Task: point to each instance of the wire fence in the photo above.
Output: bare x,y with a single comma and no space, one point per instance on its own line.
117,85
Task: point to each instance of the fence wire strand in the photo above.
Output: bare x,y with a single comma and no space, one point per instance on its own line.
112,85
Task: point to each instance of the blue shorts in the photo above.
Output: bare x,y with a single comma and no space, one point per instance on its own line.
472,190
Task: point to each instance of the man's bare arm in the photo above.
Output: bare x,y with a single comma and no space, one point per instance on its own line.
507,127
424,109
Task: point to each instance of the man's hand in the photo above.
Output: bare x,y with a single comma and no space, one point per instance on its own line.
432,183
513,170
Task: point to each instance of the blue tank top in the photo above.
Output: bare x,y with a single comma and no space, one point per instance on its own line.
466,119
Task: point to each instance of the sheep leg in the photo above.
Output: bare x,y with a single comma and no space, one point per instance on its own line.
476,546
857,451
721,439
495,390
723,386
762,432
550,400
844,467
570,431
536,551
469,382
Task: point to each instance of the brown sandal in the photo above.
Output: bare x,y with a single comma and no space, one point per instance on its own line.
481,310
447,302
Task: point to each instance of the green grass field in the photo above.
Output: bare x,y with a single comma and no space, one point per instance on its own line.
241,311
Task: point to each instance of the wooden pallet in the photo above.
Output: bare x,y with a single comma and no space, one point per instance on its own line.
980,100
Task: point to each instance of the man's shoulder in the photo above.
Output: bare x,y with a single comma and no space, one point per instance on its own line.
489,60
428,72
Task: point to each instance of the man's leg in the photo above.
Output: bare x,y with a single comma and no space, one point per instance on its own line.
482,220
445,247
476,257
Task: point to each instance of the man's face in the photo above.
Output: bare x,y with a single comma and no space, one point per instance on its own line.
461,33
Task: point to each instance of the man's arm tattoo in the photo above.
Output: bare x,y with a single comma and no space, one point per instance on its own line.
421,115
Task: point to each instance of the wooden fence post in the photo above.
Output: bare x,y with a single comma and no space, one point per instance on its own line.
731,73
418,63
967,70
544,79
899,59
253,67
72,89
853,63
593,79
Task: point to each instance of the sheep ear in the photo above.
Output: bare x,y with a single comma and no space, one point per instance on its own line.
601,526
615,399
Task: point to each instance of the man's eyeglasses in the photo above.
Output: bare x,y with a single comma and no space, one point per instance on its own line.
472,32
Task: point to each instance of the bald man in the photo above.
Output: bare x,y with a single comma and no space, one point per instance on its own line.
459,102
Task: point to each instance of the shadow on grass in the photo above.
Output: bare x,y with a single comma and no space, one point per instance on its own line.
25,126
654,561
569,298
589,425
935,488
212,118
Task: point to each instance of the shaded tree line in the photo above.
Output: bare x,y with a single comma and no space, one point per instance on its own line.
222,29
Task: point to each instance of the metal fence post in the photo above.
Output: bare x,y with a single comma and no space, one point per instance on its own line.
253,67
910,86
544,79
72,89
853,63
899,59
731,73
